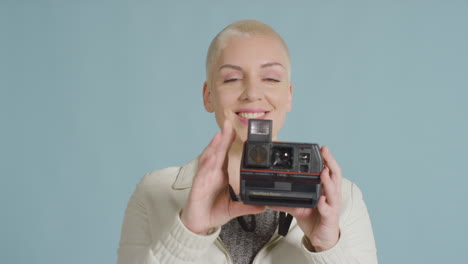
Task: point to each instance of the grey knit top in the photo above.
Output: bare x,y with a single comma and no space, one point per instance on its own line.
243,246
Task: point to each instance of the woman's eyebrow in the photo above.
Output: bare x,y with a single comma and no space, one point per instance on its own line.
238,68
235,67
269,64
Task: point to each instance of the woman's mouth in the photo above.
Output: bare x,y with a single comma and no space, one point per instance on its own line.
244,116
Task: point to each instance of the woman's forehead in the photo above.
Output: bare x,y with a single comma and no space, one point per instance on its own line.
259,49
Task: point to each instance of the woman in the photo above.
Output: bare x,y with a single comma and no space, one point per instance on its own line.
186,215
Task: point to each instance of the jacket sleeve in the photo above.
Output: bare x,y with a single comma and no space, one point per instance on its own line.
356,244
174,243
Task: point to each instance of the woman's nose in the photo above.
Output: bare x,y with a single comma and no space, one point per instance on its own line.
252,91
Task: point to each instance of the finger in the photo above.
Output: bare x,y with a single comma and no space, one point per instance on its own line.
228,130
329,187
209,149
206,157
226,141
330,162
322,206
329,159
230,139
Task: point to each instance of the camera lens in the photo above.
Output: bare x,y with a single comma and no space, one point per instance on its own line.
282,157
258,154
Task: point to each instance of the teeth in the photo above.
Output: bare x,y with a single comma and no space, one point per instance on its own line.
251,115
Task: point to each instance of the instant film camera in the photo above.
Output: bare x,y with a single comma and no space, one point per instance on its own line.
278,173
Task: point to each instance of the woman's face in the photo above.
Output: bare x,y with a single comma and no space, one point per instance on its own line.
249,80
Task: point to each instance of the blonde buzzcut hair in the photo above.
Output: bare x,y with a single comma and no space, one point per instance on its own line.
245,28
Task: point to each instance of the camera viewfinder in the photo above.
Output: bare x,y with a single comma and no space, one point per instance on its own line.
304,157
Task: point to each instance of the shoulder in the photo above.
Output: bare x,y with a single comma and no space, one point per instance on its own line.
175,177
350,190
164,191
161,176
352,200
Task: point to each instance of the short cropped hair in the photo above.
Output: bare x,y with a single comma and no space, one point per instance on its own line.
246,28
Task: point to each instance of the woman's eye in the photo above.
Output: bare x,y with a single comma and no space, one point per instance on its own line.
230,80
271,80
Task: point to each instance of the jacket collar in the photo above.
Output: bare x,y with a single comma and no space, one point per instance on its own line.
185,175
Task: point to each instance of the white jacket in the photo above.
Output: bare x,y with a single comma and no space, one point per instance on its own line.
153,233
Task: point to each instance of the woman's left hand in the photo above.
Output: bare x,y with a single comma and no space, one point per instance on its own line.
321,224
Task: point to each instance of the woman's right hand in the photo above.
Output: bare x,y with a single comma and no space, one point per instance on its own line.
209,204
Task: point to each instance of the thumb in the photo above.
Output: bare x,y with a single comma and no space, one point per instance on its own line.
229,136
239,209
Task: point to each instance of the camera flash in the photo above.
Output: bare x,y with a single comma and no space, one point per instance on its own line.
260,128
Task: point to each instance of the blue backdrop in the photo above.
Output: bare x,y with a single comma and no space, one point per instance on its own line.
96,93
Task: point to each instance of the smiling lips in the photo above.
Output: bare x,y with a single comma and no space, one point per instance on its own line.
245,114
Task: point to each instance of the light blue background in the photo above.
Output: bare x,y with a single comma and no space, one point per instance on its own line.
96,93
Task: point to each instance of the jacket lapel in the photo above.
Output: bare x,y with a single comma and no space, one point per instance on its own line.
185,176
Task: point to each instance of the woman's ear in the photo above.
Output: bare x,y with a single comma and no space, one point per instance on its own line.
207,98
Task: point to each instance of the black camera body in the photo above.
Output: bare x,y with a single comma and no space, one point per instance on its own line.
278,173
